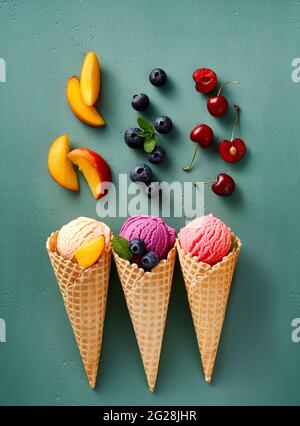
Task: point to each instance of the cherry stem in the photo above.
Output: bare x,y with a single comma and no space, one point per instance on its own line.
188,167
205,182
224,84
237,119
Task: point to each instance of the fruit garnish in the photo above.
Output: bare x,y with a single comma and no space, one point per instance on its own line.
206,80
87,114
141,173
60,167
163,124
150,260
121,247
133,137
203,136
148,133
140,102
223,186
146,126
158,77
218,105
90,79
149,145
235,149
94,168
89,253
137,246
158,155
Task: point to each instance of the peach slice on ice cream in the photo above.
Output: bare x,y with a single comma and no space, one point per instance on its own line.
85,113
89,253
59,165
90,79
94,168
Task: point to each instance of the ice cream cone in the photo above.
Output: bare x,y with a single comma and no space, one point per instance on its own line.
147,296
208,290
84,292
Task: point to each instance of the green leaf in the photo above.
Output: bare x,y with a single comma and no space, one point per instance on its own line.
144,124
147,134
121,247
144,134
149,145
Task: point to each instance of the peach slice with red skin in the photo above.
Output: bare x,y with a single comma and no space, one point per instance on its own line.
89,253
60,167
94,168
88,114
90,79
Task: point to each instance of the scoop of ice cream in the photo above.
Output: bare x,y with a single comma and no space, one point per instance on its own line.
157,235
206,237
78,232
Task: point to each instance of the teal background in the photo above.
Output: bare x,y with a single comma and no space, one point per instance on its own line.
43,43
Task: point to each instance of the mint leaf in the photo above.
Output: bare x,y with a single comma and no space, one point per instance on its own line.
145,125
147,134
144,134
149,145
121,247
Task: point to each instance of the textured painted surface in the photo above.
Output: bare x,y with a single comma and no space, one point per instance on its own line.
43,43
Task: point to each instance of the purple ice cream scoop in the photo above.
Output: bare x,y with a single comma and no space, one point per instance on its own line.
158,236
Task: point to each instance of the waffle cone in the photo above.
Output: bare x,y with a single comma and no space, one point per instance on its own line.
147,296
84,292
208,290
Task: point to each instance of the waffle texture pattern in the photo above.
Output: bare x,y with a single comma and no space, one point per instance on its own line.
147,296
208,290
84,292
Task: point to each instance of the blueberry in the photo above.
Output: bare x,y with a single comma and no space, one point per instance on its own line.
153,190
141,173
150,260
158,77
132,138
163,124
137,246
140,102
157,156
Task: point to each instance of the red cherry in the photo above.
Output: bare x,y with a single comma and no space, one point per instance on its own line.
203,135
218,105
224,185
235,149
206,80
232,151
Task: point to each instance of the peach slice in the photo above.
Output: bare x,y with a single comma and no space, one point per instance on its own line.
90,79
59,165
89,253
87,114
94,168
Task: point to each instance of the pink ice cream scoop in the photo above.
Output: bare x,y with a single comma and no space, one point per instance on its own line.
206,237
157,235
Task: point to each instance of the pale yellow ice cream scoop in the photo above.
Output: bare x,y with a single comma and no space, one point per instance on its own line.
78,232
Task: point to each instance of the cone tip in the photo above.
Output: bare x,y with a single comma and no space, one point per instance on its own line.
208,379
92,384
151,388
